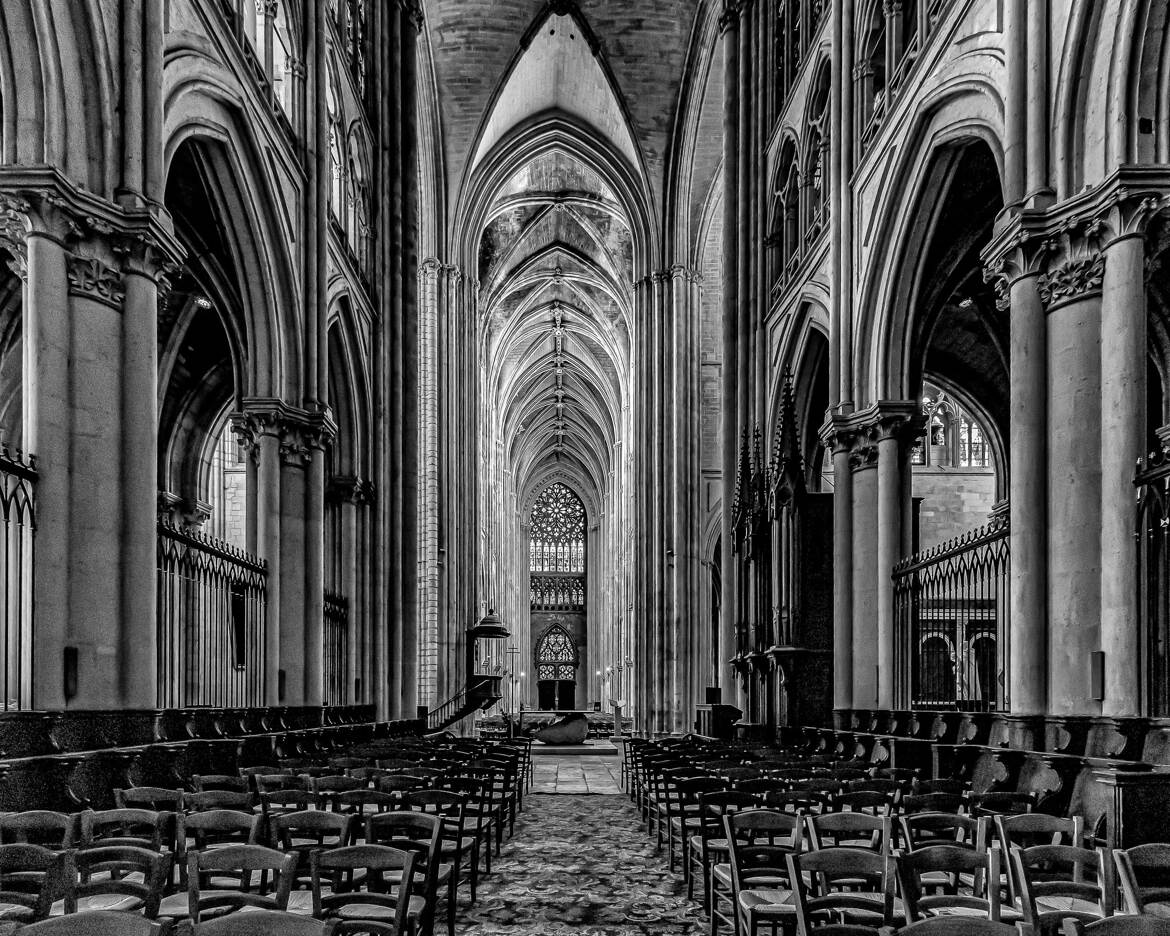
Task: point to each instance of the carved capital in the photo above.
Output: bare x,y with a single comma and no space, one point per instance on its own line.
730,15
1013,261
299,433
90,278
1076,265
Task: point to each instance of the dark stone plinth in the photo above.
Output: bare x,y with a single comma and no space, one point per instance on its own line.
1118,738
1018,732
1135,803
26,734
98,774
1066,734
40,783
160,765
944,727
974,728
91,730
1156,747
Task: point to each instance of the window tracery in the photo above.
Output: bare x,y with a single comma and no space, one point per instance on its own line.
557,541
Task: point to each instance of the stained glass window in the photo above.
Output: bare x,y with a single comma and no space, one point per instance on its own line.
556,646
558,531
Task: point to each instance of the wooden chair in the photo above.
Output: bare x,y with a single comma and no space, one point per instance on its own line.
683,815
244,862
420,834
708,846
32,877
119,877
324,787
98,923
917,830
1140,925
1051,884
302,833
385,896
282,802
272,783
263,923
362,802
479,814
455,845
931,802
1144,874
951,879
759,842
849,892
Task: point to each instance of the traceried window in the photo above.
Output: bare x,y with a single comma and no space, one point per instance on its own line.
557,541
556,655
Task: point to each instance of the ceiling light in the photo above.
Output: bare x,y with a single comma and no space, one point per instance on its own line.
203,302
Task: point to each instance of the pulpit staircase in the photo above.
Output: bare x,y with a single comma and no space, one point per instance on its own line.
481,695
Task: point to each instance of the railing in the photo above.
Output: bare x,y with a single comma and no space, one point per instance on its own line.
557,592
951,613
17,504
336,648
449,712
212,619
1153,573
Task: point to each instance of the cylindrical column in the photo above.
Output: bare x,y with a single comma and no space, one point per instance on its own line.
842,577
865,585
314,607
729,23
139,499
1039,92
1074,502
268,537
46,433
889,551
1123,413
1015,38
1028,487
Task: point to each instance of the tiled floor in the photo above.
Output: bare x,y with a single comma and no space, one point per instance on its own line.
567,774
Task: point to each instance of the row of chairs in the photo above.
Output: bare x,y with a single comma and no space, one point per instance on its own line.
444,820
870,834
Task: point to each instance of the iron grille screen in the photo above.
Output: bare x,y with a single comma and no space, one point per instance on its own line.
17,478
336,648
951,614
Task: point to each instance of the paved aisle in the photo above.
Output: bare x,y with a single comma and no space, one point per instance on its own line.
581,865
567,774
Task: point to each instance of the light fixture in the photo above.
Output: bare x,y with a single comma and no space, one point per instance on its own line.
203,302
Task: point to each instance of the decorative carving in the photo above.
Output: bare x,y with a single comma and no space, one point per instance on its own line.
1073,279
91,278
299,432
350,490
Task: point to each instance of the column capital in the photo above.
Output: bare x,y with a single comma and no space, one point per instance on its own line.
730,15
300,432
857,432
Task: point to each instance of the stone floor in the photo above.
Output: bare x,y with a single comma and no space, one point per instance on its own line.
568,774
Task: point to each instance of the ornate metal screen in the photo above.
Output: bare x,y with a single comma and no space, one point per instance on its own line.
17,481
336,647
556,551
951,614
1153,572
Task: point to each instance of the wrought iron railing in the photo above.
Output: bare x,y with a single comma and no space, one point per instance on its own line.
336,648
455,708
1153,573
17,509
951,612
212,619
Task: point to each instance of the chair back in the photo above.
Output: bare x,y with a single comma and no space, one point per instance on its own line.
951,863
932,802
54,830
142,828
831,888
1143,925
149,797
1028,829
217,799
919,829
32,877
244,861
309,829
1077,875
202,783
852,829
382,866
759,843
218,827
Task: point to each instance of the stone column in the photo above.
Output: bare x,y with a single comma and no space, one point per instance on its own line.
1071,291
1015,272
863,460
1124,357
896,425
839,442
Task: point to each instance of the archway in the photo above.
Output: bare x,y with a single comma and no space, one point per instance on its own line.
557,658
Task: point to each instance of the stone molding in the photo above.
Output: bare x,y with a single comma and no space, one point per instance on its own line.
1064,245
299,432
104,241
183,513
859,433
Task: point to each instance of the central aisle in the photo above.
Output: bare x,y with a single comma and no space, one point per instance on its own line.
581,864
